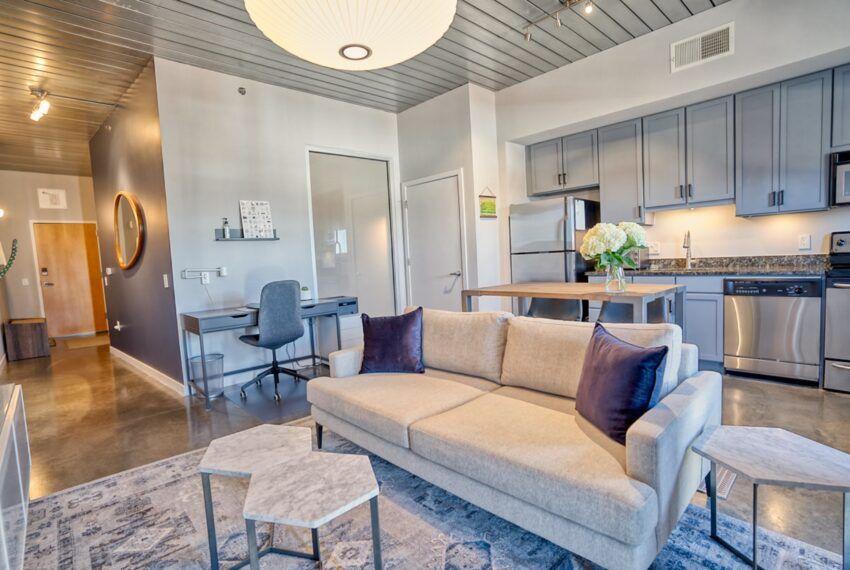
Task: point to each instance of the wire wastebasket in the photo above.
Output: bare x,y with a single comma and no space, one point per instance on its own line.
215,374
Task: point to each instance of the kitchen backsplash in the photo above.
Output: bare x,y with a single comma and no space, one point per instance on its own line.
813,262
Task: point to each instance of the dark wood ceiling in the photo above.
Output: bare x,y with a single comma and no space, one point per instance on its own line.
94,49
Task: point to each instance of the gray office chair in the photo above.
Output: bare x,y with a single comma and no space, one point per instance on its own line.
622,313
560,309
279,323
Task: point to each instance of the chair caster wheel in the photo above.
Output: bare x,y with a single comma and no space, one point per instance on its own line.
277,397
243,395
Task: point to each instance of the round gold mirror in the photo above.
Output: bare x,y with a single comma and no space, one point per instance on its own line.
129,229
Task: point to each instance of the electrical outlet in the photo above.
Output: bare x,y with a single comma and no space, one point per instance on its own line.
165,280
804,242
205,277
25,282
222,271
654,247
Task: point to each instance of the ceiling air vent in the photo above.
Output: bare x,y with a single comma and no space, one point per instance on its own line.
701,48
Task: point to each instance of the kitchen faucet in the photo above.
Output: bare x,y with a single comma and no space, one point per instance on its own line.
687,246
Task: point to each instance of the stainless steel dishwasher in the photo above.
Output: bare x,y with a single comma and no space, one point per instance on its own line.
771,327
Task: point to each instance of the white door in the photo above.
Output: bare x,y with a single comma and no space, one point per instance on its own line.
434,239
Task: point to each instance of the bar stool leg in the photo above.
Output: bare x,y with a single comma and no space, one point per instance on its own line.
376,533
846,560
253,557
316,553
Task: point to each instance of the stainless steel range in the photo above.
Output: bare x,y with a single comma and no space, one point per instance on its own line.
771,327
837,324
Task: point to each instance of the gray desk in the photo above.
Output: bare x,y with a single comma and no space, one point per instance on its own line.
218,320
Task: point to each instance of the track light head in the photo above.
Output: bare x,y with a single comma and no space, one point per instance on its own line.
42,106
588,7
528,35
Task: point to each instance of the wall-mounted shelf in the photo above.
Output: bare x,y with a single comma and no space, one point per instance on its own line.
236,234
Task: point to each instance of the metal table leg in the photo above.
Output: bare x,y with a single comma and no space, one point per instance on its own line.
311,323
316,553
338,332
208,508
376,533
712,489
679,308
846,550
187,353
204,371
253,557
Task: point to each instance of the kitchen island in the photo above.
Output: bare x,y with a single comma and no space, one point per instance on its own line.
637,295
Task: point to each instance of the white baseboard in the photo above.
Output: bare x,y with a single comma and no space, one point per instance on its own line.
151,372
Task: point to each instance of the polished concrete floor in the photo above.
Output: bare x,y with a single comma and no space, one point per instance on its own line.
90,415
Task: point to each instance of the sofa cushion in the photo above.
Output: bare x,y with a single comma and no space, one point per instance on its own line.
543,457
386,404
467,343
548,355
392,344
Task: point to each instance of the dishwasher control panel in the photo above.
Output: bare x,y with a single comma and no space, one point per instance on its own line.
772,288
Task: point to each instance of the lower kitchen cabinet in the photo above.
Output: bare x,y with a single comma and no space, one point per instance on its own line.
704,324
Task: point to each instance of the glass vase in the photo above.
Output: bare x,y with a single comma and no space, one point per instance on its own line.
615,279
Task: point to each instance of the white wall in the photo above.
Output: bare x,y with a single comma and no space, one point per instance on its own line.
774,40
452,131
19,199
220,147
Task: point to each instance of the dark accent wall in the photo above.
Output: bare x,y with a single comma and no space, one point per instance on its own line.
126,155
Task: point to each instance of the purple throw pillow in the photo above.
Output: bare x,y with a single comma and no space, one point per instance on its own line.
617,382
392,344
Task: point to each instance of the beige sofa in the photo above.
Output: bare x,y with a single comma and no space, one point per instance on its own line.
493,421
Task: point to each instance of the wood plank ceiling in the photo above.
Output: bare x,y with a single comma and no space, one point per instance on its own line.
94,49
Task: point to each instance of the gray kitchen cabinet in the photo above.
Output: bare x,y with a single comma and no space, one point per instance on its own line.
621,173
841,107
805,122
757,151
704,324
710,129
580,160
664,159
544,165
781,146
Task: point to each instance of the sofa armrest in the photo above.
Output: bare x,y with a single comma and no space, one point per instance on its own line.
689,364
658,446
346,362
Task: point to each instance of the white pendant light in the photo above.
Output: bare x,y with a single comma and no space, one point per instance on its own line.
353,34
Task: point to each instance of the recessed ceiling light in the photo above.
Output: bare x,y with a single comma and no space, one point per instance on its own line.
355,52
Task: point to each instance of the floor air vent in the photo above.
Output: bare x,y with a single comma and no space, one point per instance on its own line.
701,48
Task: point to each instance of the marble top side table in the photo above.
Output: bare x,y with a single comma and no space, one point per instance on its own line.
314,489
243,454
772,456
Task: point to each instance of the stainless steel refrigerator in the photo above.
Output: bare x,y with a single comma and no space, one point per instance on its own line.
545,238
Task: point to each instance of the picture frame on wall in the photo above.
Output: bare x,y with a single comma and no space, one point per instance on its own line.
487,205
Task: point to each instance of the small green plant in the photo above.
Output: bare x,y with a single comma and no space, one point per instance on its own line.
12,254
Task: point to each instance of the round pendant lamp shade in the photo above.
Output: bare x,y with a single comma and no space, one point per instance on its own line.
353,34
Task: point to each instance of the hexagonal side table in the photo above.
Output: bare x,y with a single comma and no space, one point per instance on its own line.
244,453
316,489
772,456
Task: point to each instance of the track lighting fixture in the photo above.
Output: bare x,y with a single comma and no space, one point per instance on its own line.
588,7
558,19
556,15
527,35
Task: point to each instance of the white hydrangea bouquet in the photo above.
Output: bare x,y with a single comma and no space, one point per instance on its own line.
611,246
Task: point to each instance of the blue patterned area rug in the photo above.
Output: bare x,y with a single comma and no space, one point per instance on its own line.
153,517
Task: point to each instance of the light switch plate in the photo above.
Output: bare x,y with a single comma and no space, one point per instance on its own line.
804,242
25,282
165,280
654,247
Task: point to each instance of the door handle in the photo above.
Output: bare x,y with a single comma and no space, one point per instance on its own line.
47,284
839,366
455,274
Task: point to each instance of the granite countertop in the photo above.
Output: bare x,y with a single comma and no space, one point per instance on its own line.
804,265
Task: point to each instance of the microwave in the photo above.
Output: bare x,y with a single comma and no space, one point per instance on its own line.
839,163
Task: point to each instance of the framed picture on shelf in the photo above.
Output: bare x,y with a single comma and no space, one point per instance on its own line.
256,219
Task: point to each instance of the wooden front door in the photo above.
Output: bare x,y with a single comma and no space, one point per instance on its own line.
69,277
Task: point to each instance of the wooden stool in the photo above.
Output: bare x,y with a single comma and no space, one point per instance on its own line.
26,338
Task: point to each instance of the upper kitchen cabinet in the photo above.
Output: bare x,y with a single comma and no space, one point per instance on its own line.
804,142
841,107
782,137
664,159
568,163
688,155
581,164
710,129
757,150
621,173
544,165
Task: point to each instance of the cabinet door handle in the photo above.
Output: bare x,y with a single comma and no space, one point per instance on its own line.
638,211
690,190
560,182
681,191
771,198
781,197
